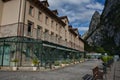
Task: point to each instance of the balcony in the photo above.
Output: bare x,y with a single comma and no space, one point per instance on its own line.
22,30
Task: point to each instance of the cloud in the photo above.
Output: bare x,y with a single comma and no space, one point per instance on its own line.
95,6
83,28
78,11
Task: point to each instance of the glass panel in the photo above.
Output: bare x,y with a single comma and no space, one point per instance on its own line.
6,55
1,52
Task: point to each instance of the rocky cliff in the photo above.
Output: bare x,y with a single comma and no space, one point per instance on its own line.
94,22
107,32
92,27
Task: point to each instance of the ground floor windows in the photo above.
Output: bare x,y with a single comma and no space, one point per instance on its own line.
26,49
4,55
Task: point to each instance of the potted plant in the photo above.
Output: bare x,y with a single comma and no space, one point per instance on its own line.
35,63
65,63
15,61
57,64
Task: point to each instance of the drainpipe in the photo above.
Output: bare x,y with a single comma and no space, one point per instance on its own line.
23,30
19,15
24,17
18,27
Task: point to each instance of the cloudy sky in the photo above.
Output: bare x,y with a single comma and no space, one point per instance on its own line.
79,12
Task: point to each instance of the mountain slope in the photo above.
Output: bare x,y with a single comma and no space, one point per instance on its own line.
107,33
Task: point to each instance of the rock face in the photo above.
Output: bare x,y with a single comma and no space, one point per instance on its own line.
107,32
91,35
94,22
88,36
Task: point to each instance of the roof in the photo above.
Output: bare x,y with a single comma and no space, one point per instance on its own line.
64,17
39,5
45,2
73,30
55,11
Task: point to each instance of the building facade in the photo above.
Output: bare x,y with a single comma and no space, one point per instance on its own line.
29,29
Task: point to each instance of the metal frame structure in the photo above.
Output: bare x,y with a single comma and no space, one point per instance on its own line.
25,49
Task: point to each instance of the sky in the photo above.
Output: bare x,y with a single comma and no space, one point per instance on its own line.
79,12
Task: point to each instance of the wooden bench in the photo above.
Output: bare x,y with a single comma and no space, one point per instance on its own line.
87,77
97,74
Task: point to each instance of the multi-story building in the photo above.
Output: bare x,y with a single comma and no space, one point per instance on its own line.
29,29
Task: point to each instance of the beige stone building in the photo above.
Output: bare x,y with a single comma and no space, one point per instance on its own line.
27,23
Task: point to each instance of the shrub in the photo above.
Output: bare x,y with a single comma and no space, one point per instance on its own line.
35,61
15,60
57,63
106,58
66,62
88,56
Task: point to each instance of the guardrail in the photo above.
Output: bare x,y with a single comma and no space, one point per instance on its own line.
20,29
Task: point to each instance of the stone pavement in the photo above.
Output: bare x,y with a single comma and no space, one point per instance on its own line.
75,72
114,73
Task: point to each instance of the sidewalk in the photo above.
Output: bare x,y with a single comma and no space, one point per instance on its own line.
75,72
114,73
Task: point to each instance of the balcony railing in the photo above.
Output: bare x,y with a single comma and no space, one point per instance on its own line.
22,30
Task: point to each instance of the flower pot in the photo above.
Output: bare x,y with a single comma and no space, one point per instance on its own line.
14,68
32,65
63,65
67,64
34,68
56,67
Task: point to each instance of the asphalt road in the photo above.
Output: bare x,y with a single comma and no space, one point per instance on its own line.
75,72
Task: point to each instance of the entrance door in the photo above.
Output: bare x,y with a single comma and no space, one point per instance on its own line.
5,55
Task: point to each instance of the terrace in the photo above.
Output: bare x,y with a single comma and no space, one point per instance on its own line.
17,41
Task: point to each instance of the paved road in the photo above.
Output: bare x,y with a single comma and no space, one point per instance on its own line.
68,73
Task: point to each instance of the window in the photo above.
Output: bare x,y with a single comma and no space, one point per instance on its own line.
46,20
56,37
29,30
31,10
39,15
65,22
56,26
52,22
60,38
52,36
52,33
46,35
38,32
66,40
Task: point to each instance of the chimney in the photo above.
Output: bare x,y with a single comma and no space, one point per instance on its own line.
45,3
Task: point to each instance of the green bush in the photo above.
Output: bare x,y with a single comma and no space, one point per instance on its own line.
35,61
15,60
88,56
81,59
66,62
106,58
57,63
